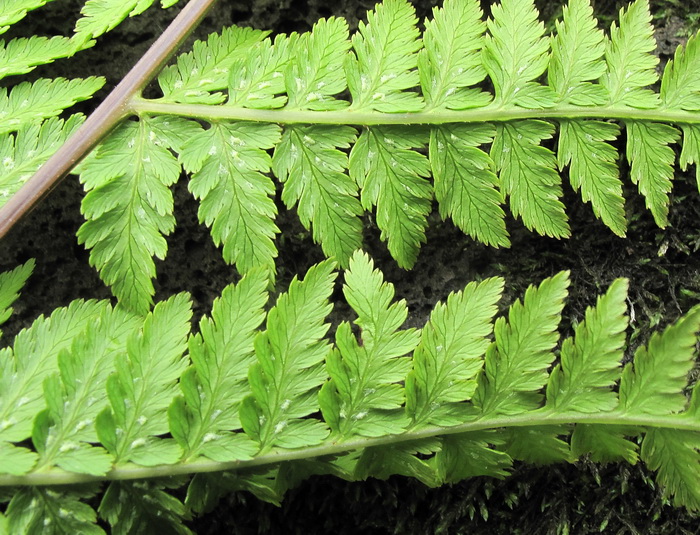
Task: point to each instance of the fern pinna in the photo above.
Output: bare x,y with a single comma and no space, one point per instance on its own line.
386,120
96,401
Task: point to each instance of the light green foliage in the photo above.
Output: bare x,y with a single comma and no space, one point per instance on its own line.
655,382
11,283
202,418
466,395
129,205
101,16
199,75
577,61
227,162
363,396
337,159
143,386
289,370
449,357
23,153
28,102
12,11
393,177
22,55
600,338
518,359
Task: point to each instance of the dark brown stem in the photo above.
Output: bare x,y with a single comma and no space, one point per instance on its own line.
113,109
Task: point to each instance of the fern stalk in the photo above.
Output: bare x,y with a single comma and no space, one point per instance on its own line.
108,114
491,113
541,418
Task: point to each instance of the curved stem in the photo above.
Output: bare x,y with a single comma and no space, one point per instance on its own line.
113,109
477,115
543,417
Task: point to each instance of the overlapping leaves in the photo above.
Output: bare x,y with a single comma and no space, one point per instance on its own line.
104,394
419,123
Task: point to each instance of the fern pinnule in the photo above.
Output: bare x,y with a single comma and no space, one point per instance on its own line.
364,395
202,419
143,385
289,370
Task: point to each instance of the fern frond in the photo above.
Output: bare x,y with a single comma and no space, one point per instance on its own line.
654,383
129,204
37,510
101,16
583,385
24,368
511,383
363,396
12,11
199,75
449,357
23,152
216,382
289,369
144,507
393,177
227,162
22,55
143,385
470,407
62,433
30,102
11,282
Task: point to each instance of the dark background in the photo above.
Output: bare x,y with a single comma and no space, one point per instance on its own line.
661,263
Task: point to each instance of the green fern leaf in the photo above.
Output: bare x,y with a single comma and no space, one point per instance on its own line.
590,362
21,55
517,361
308,160
680,83
605,445
30,102
315,74
289,369
465,182
402,459
450,355
674,455
451,63
364,396
654,382
11,282
62,433
314,172
200,75
577,60
651,164
384,60
257,81
466,455
129,204
631,64
37,510
537,445
23,153
12,11
393,178
101,16
144,507
515,54
215,384
227,161
143,387
527,173
23,370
